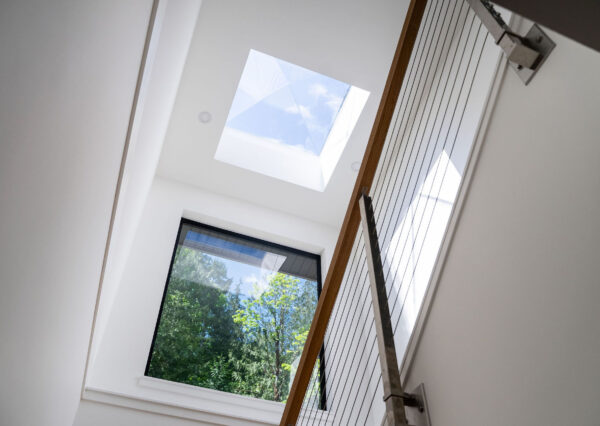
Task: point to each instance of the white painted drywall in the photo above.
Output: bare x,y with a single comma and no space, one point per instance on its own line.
167,51
92,413
123,352
351,41
513,334
68,71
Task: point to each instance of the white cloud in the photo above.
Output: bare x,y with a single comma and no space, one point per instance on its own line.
316,127
255,285
334,102
250,279
318,90
331,100
300,110
292,109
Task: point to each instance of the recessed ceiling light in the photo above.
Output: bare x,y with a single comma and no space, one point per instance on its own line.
355,166
205,117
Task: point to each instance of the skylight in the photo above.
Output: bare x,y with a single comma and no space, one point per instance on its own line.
289,122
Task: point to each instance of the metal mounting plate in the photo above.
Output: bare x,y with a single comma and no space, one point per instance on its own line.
415,416
539,41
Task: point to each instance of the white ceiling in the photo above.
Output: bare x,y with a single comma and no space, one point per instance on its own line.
350,41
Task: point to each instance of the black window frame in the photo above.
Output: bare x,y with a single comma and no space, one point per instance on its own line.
317,257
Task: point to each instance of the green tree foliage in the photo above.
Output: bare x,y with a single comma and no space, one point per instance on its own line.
197,337
213,337
275,325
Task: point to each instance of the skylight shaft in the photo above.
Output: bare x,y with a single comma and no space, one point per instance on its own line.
282,121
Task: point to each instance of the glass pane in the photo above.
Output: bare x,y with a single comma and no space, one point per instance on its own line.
236,313
286,103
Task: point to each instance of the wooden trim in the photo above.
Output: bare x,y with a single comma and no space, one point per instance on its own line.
316,335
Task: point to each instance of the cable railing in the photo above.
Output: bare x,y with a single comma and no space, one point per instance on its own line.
417,153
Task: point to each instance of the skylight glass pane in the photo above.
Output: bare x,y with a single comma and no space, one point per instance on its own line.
288,122
285,103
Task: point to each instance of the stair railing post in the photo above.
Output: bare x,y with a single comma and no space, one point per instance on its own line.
393,395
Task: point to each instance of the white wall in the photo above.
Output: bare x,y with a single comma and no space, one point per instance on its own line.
172,30
513,334
123,352
68,71
92,413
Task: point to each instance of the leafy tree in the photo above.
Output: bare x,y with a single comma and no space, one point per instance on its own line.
276,324
197,338
213,337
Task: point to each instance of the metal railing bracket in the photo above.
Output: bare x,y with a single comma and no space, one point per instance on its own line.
525,54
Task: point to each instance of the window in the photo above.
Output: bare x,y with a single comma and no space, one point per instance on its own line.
289,122
235,313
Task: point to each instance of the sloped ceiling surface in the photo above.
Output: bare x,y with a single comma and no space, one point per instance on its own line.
352,42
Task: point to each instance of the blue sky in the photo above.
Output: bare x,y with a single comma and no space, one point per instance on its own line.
283,102
252,274
253,279
249,276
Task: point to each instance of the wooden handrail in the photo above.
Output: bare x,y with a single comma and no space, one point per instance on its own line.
339,261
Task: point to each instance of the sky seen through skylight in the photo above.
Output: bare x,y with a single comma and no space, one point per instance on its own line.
286,103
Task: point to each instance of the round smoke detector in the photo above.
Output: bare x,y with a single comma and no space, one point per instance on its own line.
204,117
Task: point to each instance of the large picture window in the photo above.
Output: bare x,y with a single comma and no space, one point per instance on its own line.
235,313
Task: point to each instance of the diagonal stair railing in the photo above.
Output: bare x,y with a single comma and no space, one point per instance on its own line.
351,222
428,128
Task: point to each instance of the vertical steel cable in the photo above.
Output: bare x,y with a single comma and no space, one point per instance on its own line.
451,150
364,309
405,165
340,311
451,120
331,355
434,43
374,361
